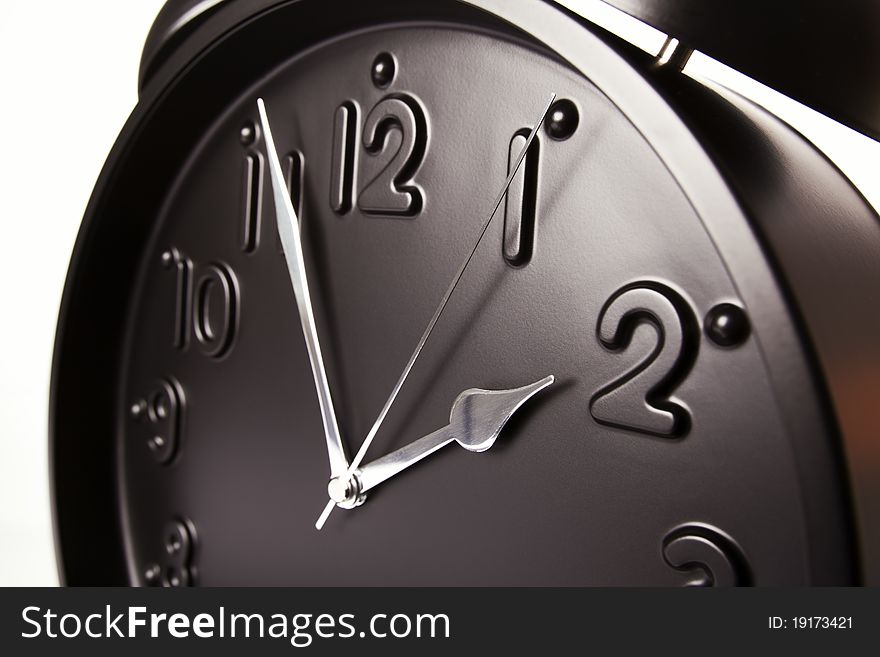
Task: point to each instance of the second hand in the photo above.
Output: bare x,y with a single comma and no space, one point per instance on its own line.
359,457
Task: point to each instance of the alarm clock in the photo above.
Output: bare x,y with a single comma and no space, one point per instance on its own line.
471,292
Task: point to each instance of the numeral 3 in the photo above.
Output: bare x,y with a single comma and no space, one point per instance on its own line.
706,556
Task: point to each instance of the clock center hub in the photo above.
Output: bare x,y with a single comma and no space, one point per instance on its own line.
346,492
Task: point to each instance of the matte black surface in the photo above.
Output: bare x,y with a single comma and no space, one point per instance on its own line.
823,53
746,490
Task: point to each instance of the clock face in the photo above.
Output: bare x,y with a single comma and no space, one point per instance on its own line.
659,455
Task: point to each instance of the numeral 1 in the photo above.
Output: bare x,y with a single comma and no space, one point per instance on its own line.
520,205
252,201
182,268
344,158
293,168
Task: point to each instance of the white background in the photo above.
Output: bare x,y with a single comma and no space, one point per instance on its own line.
68,76
68,79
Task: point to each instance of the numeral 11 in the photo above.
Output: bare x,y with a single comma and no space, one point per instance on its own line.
253,168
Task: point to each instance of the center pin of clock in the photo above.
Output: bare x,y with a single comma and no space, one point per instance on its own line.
345,492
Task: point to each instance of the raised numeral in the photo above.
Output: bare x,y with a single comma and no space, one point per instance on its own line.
253,167
293,167
160,416
207,304
252,201
653,318
215,312
394,191
177,567
182,268
706,556
521,202
395,138
344,158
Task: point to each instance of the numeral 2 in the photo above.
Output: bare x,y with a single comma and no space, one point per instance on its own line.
344,156
394,191
252,201
640,400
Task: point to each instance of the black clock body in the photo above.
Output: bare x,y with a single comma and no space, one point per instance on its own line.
694,274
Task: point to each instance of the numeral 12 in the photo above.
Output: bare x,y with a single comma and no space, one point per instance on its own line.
394,190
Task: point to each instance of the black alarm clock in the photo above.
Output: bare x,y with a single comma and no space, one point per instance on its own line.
471,292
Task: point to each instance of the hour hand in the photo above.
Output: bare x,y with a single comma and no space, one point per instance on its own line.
476,420
288,230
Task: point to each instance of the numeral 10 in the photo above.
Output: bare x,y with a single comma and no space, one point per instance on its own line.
206,304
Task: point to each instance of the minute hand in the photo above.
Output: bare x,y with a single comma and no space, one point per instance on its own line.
359,457
288,230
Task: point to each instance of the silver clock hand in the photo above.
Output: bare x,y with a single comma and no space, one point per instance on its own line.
288,230
476,420
359,457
